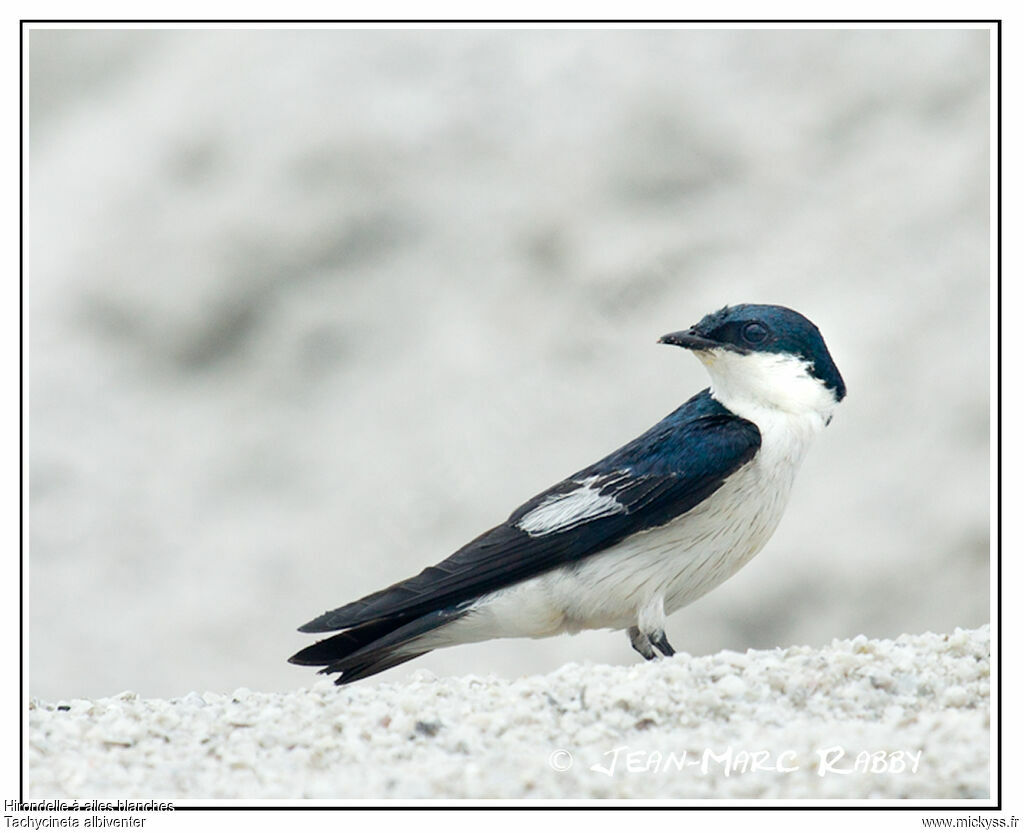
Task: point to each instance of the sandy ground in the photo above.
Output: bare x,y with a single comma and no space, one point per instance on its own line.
860,718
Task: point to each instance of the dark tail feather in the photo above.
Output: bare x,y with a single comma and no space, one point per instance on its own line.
329,650
359,672
373,647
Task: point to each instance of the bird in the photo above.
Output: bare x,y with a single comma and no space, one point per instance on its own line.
630,539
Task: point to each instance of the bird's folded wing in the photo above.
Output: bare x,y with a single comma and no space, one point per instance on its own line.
647,483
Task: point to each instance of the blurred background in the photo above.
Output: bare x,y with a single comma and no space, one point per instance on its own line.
310,309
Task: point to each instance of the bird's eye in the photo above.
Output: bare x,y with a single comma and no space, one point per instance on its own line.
755,332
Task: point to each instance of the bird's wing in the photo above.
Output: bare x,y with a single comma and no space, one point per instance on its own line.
657,477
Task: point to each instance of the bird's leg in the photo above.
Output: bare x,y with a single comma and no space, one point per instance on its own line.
650,629
641,643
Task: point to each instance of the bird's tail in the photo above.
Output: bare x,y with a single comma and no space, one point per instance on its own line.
373,646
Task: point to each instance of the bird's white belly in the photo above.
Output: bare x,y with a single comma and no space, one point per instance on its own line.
678,562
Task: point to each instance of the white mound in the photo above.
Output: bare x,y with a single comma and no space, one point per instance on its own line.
860,718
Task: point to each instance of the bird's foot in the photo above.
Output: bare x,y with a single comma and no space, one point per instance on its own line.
641,643
645,643
660,641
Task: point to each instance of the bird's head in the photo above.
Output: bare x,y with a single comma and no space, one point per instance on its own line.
762,356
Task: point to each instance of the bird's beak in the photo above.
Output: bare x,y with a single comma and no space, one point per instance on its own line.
689,340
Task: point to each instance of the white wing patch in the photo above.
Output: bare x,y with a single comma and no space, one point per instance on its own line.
560,512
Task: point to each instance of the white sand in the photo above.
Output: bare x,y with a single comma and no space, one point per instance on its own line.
917,707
